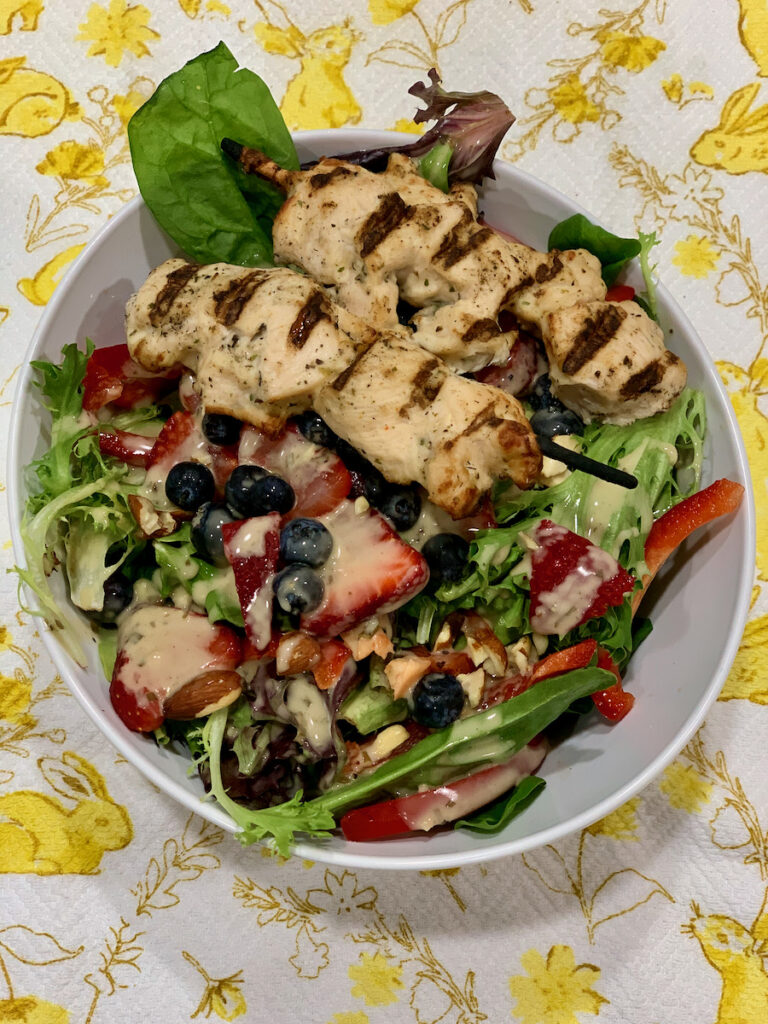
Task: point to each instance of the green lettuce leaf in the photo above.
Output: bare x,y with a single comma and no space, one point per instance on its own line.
199,197
497,815
614,252
664,452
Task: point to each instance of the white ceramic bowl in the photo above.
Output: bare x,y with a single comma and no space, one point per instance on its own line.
676,675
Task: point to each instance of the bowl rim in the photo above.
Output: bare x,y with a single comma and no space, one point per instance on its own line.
357,858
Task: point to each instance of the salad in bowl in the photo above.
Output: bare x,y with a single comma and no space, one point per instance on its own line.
360,504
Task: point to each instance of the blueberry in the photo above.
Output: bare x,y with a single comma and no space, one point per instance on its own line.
298,589
316,430
447,555
206,531
401,505
541,396
438,700
374,484
551,422
351,457
118,594
306,541
251,491
221,429
189,485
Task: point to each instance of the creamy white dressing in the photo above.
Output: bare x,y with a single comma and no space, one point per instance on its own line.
309,712
432,520
223,584
164,649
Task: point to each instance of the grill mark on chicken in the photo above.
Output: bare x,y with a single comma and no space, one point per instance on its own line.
597,332
486,417
174,285
644,380
230,301
323,179
388,215
313,311
509,295
485,328
459,247
340,382
548,271
425,387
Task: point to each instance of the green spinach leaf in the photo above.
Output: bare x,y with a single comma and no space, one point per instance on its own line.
194,192
497,815
577,232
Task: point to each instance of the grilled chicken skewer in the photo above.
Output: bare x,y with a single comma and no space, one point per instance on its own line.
376,238
267,344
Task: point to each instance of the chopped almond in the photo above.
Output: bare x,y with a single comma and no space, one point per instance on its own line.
403,673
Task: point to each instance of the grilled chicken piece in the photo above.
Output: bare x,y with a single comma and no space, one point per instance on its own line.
266,344
375,238
608,361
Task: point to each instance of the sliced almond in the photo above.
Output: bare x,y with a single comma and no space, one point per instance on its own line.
152,521
206,693
296,652
484,646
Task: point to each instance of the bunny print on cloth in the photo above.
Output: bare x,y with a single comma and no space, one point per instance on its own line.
41,835
740,142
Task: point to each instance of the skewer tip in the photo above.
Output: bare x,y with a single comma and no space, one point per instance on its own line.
232,149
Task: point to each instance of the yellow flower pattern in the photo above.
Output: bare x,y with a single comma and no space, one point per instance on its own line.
685,788
620,824
570,100
377,980
116,30
635,53
695,256
607,83
556,988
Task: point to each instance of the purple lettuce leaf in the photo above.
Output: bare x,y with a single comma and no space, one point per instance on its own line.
472,123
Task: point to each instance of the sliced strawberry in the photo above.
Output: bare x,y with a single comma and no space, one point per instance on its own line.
370,570
572,580
160,649
319,478
113,376
182,440
520,370
252,547
133,449
334,655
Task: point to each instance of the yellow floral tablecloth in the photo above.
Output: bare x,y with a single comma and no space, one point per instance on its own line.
114,903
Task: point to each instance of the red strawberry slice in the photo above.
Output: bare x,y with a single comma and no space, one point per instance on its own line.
182,440
522,367
370,570
111,375
572,580
319,478
159,650
133,449
252,547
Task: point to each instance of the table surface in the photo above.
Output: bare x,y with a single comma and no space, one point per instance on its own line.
650,115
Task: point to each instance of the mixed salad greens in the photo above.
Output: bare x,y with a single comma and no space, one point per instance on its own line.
413,759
